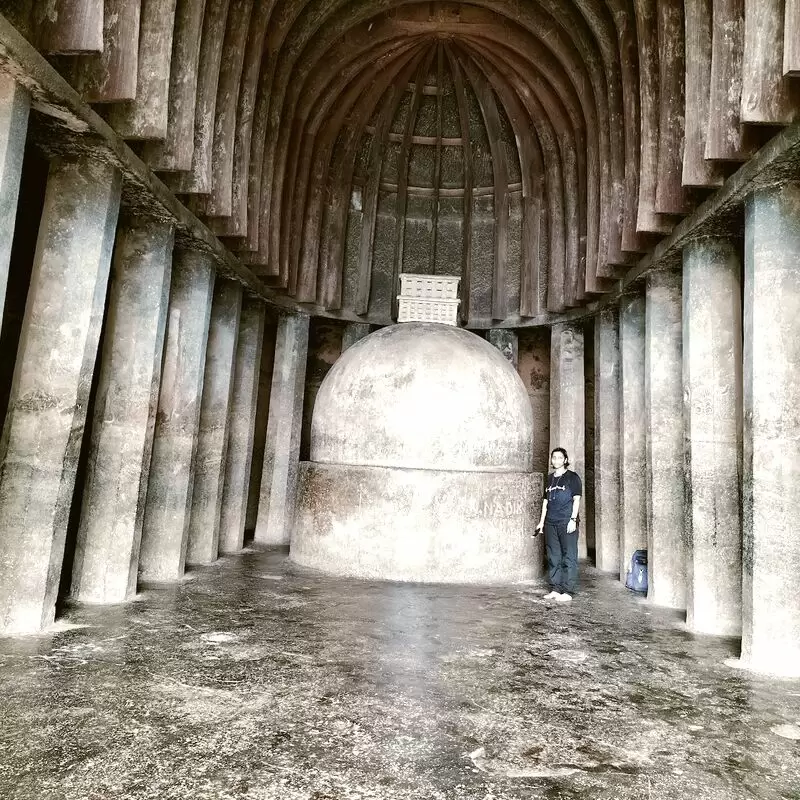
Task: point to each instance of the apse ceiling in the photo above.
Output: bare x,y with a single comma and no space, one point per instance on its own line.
536,148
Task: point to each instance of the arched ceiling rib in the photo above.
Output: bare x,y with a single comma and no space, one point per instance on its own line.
535,147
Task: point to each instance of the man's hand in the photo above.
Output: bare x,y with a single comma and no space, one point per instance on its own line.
572,526
538,529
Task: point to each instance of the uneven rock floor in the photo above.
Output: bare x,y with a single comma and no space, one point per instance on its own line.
253,679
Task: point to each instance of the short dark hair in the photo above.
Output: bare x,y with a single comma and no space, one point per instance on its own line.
563,452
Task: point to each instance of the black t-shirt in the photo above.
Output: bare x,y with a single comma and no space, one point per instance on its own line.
559,493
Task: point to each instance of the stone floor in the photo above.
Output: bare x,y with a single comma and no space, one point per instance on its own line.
255,680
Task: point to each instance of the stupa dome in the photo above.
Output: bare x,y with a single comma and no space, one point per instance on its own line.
423,395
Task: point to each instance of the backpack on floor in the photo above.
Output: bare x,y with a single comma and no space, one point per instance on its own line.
636,579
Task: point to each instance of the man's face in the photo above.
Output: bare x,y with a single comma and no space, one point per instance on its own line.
557,460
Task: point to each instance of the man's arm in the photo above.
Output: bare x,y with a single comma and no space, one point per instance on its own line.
541,519
572,525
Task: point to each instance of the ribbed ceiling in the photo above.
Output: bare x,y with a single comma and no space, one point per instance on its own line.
535,147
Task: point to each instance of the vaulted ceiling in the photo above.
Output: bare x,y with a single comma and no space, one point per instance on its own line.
535,147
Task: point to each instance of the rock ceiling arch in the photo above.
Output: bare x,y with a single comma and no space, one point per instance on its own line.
535,147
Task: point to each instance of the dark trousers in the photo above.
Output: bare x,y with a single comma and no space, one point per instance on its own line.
562,557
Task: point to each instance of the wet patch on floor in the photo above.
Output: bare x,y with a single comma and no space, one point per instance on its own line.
257,680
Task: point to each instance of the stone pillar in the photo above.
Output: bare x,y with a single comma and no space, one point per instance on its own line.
212,438
242,427
110,530
666,558
15,104
567,410
354,331
712,379
771,479
169,493
632,443
282,450
44,425
507,342
607,391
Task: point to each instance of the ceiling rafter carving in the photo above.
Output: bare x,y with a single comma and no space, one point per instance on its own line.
279,123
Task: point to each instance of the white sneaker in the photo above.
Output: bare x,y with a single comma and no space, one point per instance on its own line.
564,598
551,596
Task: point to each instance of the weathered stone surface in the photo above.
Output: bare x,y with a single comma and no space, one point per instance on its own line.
633,454
666,547
15,104
534,369
567,411
354,331
146,116
588,502
420,463
112,74
422,525
110,531
212,439
282,449
377,675
44,424
771,475
712,378
169,492
427,396
242,422
324,349
262,418
607,440
507,342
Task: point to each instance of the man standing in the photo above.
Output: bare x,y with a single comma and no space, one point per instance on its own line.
560,506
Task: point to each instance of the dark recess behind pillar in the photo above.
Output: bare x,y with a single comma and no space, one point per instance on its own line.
534,369
324,348
262,415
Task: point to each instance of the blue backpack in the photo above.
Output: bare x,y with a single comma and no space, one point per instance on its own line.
636,580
